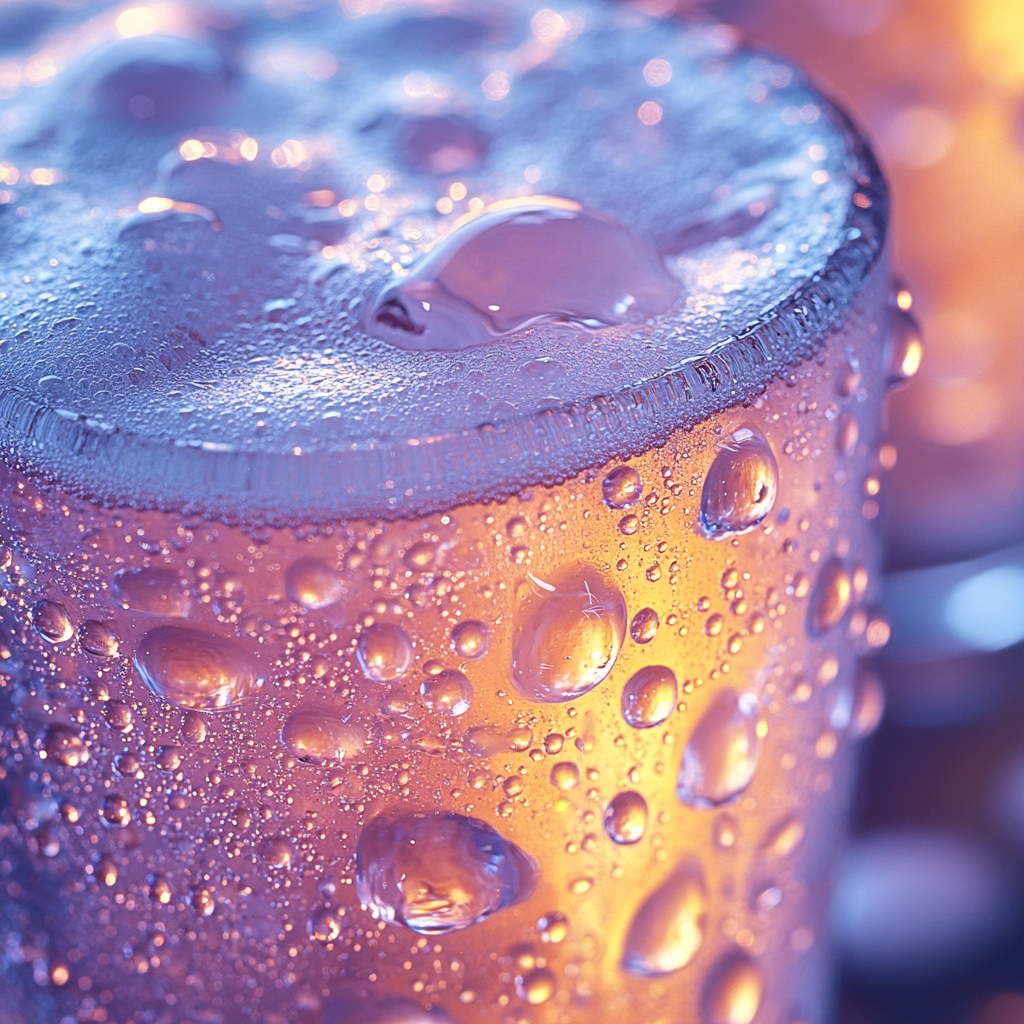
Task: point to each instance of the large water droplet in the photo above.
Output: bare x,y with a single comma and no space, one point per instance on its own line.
64,744
152,591
831,598
157,78
518,262
565,775
438,873
649,697
644,627
276,852
622,487
536,986
733,992
194,669
449,692
315,736
668,929
721,757
384,652
324,925
442,145
741,484
99,638
566,635
625,818
52,622
471,639
312,584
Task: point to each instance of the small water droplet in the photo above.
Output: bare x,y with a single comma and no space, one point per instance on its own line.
741,484
193,727
831,598
159,889
385,652
629,524
519,262
310,583
733,992
713,625
315,736
784,838
276,852
471,639
115,811
449,692
193,669
868,705
622,487
565,775
168,758
847,435
151,591
203,902
536,986
438,873
649,697
106,871
668,929
726,831
119,716
904,350
553,927
52,622
722,755
324,925
99,638
567,633
625,818
65,745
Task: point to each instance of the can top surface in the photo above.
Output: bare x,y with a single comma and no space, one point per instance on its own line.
383,258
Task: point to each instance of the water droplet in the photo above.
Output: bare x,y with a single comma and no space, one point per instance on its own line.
442,144
722,754
622,487
553,743
713,625
52,622
566,636
128,763
733,993
106,870
168,758
115,811
195,670
519,262
553,927
471,639
64,744
847,435
438,873
784,838
193,727
312,584
628,525
157,78
644,627
49,840
868,705
905,348
384,652
276,852
420,557
449,692
99,638
625,818
315,736
831,598
119,716
203,902
741,484
726,831
668,929
536,986
151,591
159,890
649,697
324,925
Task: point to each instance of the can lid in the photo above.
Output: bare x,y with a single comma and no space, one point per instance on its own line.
220,295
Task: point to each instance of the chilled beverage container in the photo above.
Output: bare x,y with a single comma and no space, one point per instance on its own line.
438,537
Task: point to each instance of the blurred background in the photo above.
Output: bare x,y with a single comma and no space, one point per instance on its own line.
929,910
